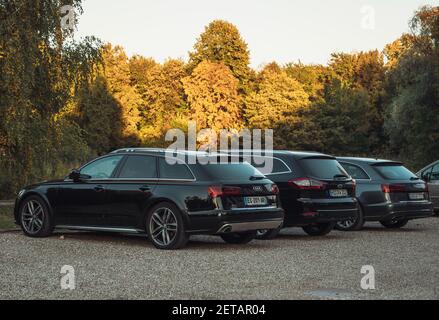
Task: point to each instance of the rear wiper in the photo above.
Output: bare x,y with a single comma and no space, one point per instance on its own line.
253,178
341,176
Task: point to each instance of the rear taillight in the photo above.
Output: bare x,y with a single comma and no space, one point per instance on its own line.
354,185
274,189
307,184
218,191
391,188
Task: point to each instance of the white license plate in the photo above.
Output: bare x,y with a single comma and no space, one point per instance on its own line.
255,201
416,196
338,193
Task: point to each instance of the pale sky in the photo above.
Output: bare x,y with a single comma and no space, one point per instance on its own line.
275,30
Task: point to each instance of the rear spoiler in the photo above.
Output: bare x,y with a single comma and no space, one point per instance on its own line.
319,157
386,163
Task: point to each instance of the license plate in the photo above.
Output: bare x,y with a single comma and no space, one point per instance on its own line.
255,201
338,193
416,196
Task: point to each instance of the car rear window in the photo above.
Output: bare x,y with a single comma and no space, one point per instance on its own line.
323,168
354,171
394,172
277,167
177,171
232,171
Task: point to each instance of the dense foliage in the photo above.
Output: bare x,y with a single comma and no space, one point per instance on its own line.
62,102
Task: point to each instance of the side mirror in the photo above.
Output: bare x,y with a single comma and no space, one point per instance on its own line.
76,176
426,177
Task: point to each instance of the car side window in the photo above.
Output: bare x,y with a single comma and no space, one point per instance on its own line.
102,168
434,176
278,166
355,171
178,171
139,167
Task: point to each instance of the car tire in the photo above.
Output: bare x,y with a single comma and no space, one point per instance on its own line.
165,227
319,229
394,224
34,217
239,237
352,225
268,234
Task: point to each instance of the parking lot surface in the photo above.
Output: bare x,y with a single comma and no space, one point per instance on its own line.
293,266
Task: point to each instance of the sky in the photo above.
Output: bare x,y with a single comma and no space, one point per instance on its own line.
275,30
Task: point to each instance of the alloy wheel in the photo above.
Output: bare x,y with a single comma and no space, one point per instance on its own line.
163,226
32,217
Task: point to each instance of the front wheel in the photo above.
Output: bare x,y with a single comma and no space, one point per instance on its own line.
35,218
394,223
319,229
239,238
165,227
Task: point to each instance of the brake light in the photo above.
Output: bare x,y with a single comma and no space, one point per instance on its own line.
307,184
274,189
391,188
218,191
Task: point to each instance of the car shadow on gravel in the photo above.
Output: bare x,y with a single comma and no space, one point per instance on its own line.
198,243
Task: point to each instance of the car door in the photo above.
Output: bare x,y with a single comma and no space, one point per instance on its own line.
83,203
433,186
130,192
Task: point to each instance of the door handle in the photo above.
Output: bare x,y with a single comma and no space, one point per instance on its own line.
99,188
145,188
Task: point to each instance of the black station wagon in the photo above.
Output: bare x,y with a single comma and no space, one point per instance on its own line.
140,191
315,191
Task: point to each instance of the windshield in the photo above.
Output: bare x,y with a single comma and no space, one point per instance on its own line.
394,172
323,168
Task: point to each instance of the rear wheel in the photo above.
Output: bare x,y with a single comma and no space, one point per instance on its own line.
319,229
35,218
353,224
165,227
394,223
239,238
268,234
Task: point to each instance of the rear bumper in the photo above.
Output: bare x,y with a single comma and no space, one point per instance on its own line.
224,221
404,210
322,211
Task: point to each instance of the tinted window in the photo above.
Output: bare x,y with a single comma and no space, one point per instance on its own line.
232,171
394,172
323,168
174,171
102,168
435,173
354,171
278,166
139,167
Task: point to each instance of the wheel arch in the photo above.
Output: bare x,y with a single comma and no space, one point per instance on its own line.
26,196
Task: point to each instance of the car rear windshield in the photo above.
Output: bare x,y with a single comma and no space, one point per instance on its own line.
232,171
323,168
394,172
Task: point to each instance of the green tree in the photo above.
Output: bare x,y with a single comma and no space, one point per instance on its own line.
212,95
222,42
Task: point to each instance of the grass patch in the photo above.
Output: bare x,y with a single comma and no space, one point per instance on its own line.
6,218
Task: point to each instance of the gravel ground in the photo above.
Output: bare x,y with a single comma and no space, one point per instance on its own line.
294,266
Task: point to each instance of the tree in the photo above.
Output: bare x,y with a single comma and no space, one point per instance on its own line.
117,73
222,42
161,89
277,98
212,95
413,111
